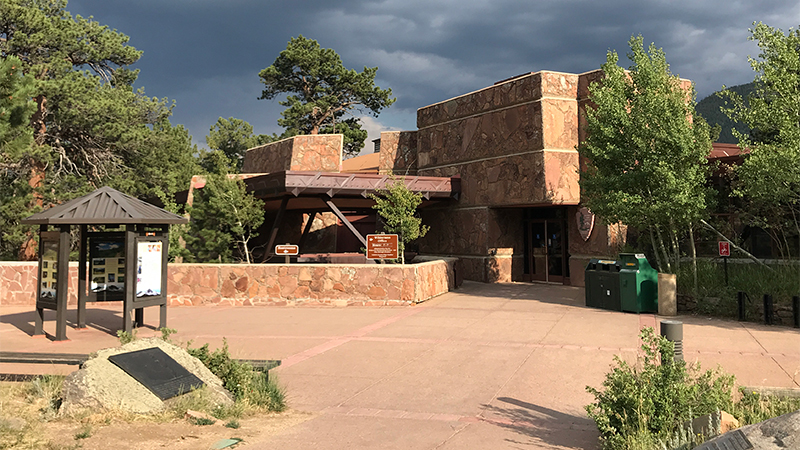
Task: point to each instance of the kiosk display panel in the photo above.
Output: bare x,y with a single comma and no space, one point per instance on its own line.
48,275
106,260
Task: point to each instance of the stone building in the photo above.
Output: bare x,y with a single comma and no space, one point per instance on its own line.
512,146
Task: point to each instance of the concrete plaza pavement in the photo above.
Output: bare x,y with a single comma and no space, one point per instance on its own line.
485,366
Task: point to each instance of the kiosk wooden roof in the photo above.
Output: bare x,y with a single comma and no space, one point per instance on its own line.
105,206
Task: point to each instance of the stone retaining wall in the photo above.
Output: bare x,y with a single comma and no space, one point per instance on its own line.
271,284
18,283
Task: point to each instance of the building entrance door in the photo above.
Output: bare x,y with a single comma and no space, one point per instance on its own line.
547,251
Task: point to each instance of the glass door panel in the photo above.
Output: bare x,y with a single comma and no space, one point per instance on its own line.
538,242
555,251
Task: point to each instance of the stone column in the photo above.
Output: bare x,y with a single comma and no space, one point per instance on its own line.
667,298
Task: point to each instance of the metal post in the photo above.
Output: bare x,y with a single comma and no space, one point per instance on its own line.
742,311
38,321
82,276
162,315
62,283
726,269
796,311
673,331
130,278
768,309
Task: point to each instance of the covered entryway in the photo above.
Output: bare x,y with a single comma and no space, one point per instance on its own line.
546,252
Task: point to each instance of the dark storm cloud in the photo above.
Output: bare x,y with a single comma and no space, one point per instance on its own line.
207,54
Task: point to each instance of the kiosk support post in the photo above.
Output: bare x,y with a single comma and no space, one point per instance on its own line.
62,282
82,276
38,321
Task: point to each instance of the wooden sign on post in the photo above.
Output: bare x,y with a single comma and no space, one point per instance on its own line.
382,246
287,250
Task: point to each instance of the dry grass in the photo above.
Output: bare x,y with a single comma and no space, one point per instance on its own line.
29,420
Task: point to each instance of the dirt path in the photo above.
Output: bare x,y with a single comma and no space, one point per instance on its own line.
179,434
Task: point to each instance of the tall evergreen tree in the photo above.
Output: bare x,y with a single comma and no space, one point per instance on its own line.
233,137
224,217
89,127
322,92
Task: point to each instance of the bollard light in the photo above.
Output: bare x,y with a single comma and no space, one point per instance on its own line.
673,331
768,309
740,302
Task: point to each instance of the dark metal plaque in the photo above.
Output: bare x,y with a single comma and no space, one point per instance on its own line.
157,371
732,440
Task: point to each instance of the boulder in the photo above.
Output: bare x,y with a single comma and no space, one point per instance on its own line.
100,384
780,433
721,421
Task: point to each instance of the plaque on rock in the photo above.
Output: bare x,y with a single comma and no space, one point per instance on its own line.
157,371
732,440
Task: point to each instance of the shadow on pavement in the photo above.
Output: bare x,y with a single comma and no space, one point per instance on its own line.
543,425
541,292
105,320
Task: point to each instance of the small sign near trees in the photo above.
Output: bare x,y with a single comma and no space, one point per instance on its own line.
382,246
724,248
287,250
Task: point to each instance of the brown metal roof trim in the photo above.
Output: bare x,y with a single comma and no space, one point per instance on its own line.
332,184
105,206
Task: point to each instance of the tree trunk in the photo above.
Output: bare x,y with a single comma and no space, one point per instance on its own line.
667,257
694,257
655,250
746,253
27,251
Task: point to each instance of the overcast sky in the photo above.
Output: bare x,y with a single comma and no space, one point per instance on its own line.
206,54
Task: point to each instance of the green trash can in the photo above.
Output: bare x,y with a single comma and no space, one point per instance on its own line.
638,284
602,284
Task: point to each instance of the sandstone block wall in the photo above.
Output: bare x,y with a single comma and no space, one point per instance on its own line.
465,233
513,144
605,242
398,152
321,152
18,283
309,284
271,284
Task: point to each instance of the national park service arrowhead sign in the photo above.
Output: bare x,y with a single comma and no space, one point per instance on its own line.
585,220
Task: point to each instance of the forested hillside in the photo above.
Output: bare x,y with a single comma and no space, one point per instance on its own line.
709,109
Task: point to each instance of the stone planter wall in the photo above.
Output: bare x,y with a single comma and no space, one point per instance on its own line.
271,284
18,283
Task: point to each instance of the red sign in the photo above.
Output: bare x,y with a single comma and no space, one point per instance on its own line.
724,248
381,246
288,250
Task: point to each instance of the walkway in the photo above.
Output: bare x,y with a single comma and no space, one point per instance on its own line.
487,366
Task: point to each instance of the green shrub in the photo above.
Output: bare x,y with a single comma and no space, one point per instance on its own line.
643,405
240,379
235,375
754,407
196,400
125,337
264,392
201,421
224,412
166,333
86,432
